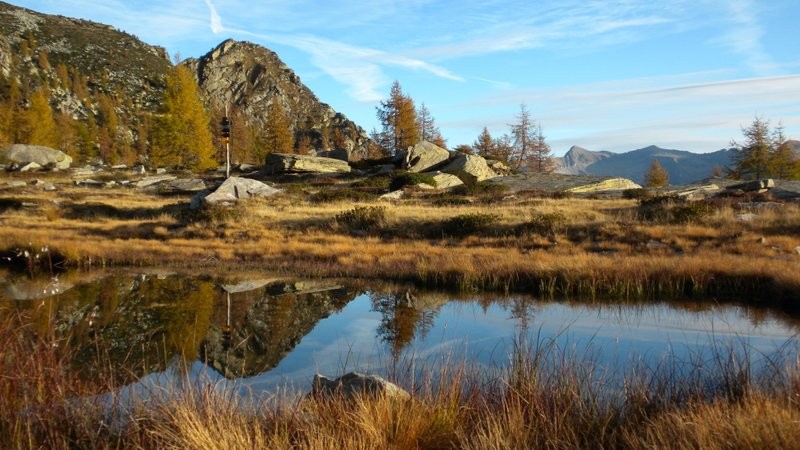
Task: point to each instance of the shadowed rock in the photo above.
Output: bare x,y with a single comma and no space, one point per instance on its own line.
354,384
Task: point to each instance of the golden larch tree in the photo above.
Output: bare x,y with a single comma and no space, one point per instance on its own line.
181,135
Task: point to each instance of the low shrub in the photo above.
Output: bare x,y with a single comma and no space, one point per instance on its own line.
218,214
376,182
363,218
450,200
545,224
410,179
638,194
469,224
672,209
344,194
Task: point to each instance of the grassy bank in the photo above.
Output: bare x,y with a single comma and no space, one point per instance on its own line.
583,247
547,397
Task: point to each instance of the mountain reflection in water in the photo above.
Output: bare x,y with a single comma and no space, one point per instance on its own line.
268,331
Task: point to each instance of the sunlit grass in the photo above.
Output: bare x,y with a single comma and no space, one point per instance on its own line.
598,247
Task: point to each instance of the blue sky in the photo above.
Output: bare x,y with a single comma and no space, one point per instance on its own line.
605,75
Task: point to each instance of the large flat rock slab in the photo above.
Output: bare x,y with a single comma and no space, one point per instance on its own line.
287,163
553,182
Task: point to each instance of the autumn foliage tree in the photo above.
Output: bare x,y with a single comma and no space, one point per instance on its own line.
278,135
398,118
656,176
182,135
428,131
764,153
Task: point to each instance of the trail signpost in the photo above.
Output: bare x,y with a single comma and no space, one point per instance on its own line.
225,126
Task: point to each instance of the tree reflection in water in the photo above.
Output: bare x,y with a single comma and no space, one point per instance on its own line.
403,315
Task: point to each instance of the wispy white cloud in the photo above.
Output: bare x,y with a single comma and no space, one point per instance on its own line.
215,20
745,34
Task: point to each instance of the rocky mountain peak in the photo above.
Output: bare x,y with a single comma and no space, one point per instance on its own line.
250,78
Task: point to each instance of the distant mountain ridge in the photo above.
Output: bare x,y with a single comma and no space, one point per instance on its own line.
683,167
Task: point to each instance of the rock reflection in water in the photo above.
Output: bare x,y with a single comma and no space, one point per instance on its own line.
265,323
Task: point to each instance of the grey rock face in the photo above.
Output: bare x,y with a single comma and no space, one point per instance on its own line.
424,156
446,180
43,156
235,188
186,185
251,78
469,167
154,180
286,163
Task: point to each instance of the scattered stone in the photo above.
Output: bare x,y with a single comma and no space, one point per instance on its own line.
140,169
423,157
762,240
354,384
235,188
154,180
161,171
119,167
797,250
394,195
43,156
469,167
286,163
89,183
16,183
49,187
247,167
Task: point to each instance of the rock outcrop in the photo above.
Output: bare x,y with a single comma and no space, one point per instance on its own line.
445,180
250,78
286,163
424,156
105,61
471,168
551,182
46,157
233,189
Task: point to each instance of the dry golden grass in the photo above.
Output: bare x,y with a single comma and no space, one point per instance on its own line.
598,248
